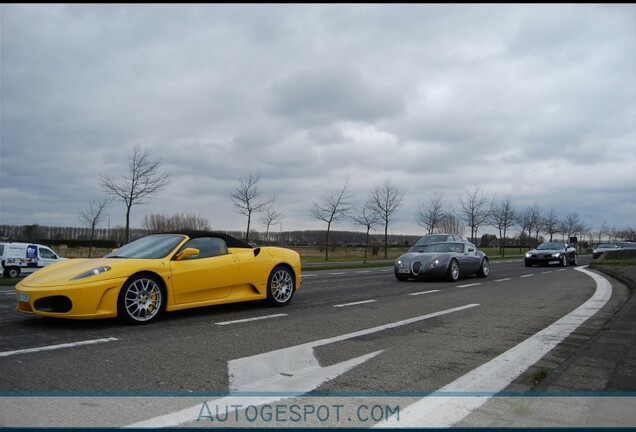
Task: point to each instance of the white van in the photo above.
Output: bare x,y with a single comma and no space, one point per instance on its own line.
25,258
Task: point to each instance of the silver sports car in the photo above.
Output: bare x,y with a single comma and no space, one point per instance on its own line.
449,260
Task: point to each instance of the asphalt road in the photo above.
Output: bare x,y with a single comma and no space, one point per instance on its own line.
346,332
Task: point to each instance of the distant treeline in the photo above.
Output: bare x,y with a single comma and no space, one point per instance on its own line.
114,237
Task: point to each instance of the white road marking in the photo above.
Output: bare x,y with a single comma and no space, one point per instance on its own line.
502,280
340,273
364,271
424,292
493,376
289,370
354,303
468,285
222,323
54,347
527,275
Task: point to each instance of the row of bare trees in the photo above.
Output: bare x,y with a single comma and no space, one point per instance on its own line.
477,209
144,179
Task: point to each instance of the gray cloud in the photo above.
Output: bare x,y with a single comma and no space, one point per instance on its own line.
534,100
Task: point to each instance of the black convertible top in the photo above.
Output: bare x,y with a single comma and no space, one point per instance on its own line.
229,240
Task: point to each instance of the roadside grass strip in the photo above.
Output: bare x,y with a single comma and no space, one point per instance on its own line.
444,411
55,347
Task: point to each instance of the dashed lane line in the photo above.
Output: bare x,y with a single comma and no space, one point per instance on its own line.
55,347
222,323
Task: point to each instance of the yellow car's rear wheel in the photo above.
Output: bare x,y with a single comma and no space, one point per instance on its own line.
140,300
280,286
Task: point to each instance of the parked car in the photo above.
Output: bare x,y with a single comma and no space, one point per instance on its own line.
436,238
25,258
602,248
551,253
449,260
171,271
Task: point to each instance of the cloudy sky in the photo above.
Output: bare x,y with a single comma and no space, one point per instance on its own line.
536,101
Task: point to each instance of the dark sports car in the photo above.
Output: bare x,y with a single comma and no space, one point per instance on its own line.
449,260
551,253
602,248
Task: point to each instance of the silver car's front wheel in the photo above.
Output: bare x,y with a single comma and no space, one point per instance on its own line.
484,268
140,300
280,286
453,270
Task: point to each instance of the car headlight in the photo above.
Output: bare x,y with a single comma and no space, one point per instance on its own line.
399,263
433,264
556,255
92,272
528,255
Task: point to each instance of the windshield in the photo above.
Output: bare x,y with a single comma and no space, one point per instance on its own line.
151,247
445,247
607,246
426,240
550,246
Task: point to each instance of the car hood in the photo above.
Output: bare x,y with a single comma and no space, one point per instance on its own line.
62,273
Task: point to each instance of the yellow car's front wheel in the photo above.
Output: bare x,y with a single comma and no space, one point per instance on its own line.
280,286
140,300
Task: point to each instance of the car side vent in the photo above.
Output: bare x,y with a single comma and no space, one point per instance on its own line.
257,251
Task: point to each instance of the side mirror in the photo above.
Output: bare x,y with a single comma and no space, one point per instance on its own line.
471,250
187,253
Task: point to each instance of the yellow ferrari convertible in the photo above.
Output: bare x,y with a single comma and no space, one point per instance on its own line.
160,272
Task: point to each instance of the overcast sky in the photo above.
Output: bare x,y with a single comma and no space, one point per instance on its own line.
537,101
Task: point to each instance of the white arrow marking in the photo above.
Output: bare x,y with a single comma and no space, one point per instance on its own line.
293,370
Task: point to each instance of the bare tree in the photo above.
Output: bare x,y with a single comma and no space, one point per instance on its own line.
160,223
503,217
570,225
551,223
431,215
536,221
530,220
451,224
603,230
386,200
142,181
332,207
270,217
522,222
475,210
93,216
367,218
247,199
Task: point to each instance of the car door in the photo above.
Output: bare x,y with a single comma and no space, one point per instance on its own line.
207,276
470,259
47,256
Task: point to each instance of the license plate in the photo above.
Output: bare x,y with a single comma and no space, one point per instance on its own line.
404,271
23,297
